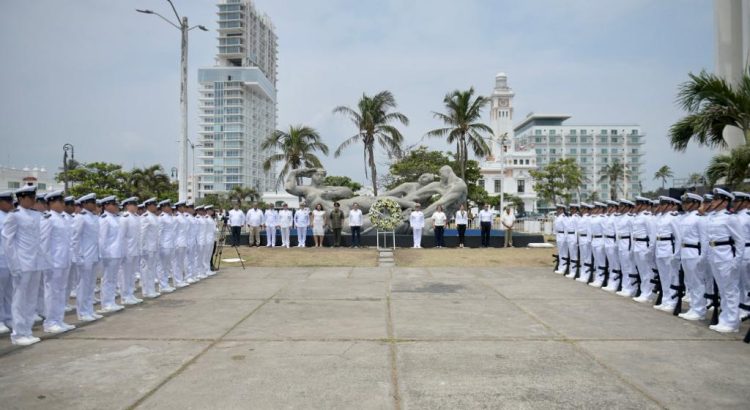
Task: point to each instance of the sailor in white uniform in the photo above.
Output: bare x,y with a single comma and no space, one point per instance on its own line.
85,241
416,221
285,224
691,257
562,248
130,229
56,232
270,217
6,284
301,222
21,232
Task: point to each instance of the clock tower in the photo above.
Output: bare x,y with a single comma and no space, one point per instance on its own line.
501,117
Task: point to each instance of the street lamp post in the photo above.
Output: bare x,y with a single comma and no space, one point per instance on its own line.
182,25
67,147
195,178
174,172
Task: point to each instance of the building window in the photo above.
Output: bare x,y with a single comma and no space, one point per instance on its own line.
583,151
538,140
613,132
14,185
527,162
480,183
633,132
583,132
573,151
615,140
208,187
515,162
603,132
552,151
521,186
573,140
537,132
551,132
572,132
604,151
498,185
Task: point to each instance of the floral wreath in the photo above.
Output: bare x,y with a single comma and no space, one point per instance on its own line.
385,214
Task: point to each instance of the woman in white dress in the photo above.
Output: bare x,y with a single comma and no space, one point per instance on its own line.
319,225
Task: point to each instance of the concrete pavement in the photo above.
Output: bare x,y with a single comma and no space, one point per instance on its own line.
382,338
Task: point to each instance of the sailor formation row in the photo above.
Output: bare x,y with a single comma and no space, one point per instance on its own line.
659,251
53,247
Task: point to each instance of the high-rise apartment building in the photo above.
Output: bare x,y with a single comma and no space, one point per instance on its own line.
594,147
237,102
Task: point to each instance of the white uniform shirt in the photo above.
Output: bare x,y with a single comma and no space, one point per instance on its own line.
485,215
236,217
110,240
270,217
355,217
559,226
624,229
210,230
462,218
3,259
55,238
416,220
85,238
596,229
744,219
690,233
644,227
667,227
285,218
21,232
197,230
182,229
130,227
150,232
720,227
610,233
439,218
167,231
302,218
583,229
254,218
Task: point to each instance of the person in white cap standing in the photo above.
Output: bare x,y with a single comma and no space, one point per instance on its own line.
667,252
741,205
210,239
301,222
624,226
167,231
111,249
150,249
194,242
55,237
6,284
597,244
724,242
285,224
21,232
182,230
610,245
85,242
562,248
644,242
691,257
571,240
270,217
130,228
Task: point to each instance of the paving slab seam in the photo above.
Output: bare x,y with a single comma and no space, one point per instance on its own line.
392,352
187,364
579,348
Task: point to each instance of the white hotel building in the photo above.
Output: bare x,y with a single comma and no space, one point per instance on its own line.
592,146
237,102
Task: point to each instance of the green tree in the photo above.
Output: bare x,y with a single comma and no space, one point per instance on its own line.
663,173
335,180
557,180
712,104
241,193
696,179
463,125
732,167
374,122
106,179
614,174
150,182
295,148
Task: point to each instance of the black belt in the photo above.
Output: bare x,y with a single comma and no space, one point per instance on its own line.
721,243
641,239
747,244
596,236
611,236
697,245
571,233
665,238
581,234
560,231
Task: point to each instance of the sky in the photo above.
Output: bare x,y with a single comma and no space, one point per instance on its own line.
98,75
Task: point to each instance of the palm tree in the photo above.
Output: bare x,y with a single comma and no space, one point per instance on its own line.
149,182
732,167
374,123
696,179
240,193
663,173
613,174
295,148
462,118
712,104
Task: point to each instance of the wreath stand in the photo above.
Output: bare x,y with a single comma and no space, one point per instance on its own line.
385,234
